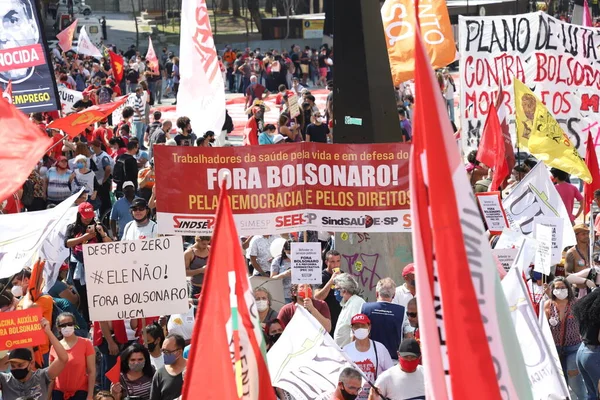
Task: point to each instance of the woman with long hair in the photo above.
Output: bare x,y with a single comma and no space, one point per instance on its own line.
78,378
587,314
136,374
565,332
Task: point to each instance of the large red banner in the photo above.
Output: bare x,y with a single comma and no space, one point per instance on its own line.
285,187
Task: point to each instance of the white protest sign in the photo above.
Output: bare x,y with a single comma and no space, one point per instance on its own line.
135,279
493,213
68,97
557,235
506,257
306,263
117,115
543,255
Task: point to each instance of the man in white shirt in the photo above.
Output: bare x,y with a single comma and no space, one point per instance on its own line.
260,254
142,227
346,292
406,291
405,381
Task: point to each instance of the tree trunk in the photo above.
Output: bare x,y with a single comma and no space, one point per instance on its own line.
269,6
302,7
255,13
236,8
137,32
224,5
280,6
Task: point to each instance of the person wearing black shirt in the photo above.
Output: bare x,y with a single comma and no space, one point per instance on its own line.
128,162
167,383
587,314
83,103
129,53
317,131
333,261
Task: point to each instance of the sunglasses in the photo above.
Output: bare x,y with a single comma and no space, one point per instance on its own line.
139,209
66,324
412,314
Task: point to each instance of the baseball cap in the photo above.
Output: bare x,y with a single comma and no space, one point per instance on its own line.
409,269
139,202
127,184
581,228
409,347
20,354
278,138
86,210
360,319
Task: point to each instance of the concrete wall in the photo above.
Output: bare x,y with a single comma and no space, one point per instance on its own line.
370,257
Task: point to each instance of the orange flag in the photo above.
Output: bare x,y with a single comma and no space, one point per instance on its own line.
23,145
399,29
65,37
227,330
74,124
591,160
116,64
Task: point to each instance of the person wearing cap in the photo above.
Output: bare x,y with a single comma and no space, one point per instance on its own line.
142,227
84,103
278,139
349,385
120,214
369,355
407,290
578,258
405,381
346,292
24,380
253,126
386,317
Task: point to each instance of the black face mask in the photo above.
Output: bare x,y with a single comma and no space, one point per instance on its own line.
212,140
151,347
346,395
19,373
275,337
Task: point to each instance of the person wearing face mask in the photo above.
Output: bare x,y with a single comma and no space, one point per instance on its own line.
136,374
167,382
346,292
263,303
565,332
142,227
58,179
281,268
255,91
268,135
273,331
407,290
405,381
370,356
85,178
77,380
155,336
24,380
349,385
317,131
8,302
302,295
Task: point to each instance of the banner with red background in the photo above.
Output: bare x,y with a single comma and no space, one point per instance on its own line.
285,187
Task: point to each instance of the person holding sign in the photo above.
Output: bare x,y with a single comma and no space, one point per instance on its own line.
302,295
24,380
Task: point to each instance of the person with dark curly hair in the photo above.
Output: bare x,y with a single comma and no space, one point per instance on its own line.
587,314
475,170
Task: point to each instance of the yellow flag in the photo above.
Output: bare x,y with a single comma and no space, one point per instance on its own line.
540,133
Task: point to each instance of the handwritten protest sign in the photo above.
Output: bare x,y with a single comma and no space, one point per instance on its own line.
68,98
135,279
543,255
557,235
306,263
490,205
21,328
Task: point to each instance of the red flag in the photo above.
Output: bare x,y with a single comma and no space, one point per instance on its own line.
23,145
65,37
114,374
227,330
74,124
491,150
591,160
116,64
509,152
151,56
587,17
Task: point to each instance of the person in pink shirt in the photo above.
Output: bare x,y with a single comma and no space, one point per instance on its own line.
568,193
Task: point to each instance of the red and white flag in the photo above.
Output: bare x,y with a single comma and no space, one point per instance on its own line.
227,356
7,93
151,56
65,37
591,160
587,17
201,95
85,45
470,349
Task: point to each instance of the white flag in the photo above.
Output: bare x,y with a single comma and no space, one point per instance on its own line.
543,372
22,236
201,96
54,251
535,196
85,45
305,361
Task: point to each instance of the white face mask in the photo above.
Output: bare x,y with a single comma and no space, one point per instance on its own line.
17,291
319,120
561,294
361,333
67,331
262,305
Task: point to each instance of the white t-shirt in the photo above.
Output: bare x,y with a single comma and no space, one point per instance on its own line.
157,362
182,324
449,90
402,296
134,232
399,385
373,365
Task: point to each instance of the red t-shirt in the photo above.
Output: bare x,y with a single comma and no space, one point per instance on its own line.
287,312
103,134
117,90
251,132
56,151
74,377
568,193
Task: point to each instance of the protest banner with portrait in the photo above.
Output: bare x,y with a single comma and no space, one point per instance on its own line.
283,188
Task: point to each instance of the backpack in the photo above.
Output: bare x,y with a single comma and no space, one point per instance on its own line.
119,170
103,96
27,197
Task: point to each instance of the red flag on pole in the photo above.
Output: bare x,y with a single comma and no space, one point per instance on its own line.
227,330
23,145
65,37
114,374
492,150
591,160
116,64
7,94
74,124
151,56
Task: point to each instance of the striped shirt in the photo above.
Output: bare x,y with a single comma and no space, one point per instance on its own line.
140,387
58,185
139,105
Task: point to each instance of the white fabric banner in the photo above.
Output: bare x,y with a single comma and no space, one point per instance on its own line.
68,97
85,45
54,250
201,95
23,235
535,196
546,381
